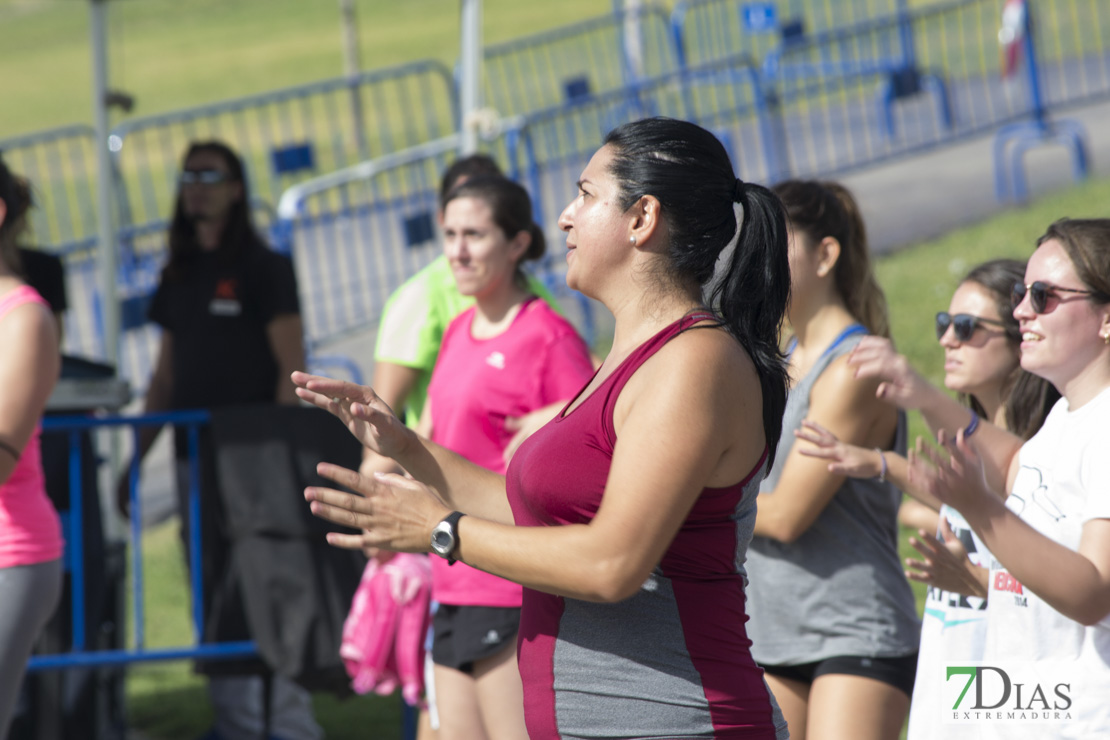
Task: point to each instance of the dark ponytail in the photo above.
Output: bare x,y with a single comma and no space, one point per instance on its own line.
688,170
752,296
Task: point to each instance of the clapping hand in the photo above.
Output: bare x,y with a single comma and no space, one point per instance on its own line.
946,565
844,459
955,478
394,512
875,357
367,417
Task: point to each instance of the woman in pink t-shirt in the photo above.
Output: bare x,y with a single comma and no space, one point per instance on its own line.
30,534
507,356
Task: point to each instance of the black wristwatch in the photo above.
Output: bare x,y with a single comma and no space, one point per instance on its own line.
445,536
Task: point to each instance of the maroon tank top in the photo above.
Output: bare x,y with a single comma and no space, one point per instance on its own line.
671,661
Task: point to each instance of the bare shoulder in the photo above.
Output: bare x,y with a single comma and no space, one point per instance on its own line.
28,324
839,381
709,352
704,365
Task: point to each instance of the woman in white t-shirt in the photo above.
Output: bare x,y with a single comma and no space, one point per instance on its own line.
1048,613
980,338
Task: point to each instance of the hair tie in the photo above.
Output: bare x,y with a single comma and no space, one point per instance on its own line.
738,191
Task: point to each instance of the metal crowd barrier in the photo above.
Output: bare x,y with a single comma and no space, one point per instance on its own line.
357,234
570,64
549,149
286,135
712,30
82,654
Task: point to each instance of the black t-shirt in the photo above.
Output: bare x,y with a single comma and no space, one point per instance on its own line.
217,314
45,273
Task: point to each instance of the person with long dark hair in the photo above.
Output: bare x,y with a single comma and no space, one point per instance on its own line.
31,542
627,517
833,620
1042,506
231,333
981,339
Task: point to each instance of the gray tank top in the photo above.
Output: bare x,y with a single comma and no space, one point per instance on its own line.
838,589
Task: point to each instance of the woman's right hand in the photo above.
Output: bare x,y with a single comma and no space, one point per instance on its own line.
844,458
874,357
367,417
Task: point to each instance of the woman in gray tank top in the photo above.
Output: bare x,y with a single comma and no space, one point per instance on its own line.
833,619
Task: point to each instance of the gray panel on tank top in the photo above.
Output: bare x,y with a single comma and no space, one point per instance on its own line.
589,669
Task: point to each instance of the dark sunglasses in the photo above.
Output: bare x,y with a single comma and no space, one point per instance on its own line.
1040,293
203,177
963,324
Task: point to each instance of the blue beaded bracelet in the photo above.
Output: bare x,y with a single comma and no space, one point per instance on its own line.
882,462
972,425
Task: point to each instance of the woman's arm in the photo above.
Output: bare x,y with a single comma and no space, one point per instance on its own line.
847,408
675,422
29,366
286,335
874,357
457,482
860,462
1075,583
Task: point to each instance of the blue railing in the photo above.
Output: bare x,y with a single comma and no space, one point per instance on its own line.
568,65
80,655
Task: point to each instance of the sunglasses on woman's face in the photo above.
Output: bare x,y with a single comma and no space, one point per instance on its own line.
963,324
203,177
1043,296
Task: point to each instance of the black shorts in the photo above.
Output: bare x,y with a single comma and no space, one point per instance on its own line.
467,634
897,672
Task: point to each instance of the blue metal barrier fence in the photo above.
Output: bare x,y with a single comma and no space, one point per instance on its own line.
80,656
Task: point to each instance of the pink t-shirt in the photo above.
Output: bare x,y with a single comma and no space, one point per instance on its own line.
476,385
30,531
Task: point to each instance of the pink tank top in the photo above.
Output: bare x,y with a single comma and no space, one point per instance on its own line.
30,531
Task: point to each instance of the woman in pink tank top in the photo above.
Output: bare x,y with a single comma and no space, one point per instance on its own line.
627,518
30,534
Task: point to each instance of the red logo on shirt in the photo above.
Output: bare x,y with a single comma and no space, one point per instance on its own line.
1003,581
226,288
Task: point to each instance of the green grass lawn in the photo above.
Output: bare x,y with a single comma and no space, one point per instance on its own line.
171,54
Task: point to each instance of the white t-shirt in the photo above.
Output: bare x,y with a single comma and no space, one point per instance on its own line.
1063,482
953,631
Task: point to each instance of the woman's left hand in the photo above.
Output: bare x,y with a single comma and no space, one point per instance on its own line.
844,458
946,565
393,512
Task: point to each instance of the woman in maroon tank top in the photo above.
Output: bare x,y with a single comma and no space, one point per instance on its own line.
626,518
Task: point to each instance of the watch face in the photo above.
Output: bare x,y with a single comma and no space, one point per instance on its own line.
442,541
